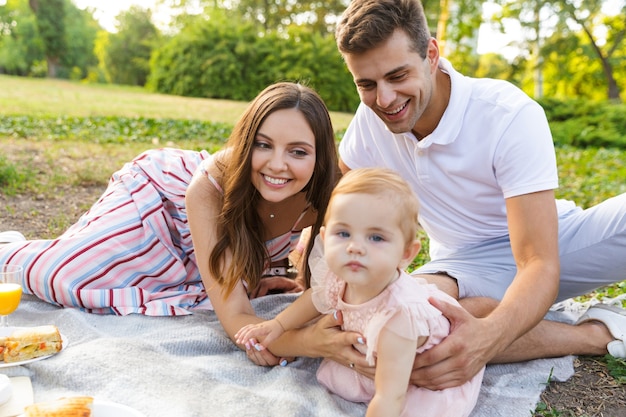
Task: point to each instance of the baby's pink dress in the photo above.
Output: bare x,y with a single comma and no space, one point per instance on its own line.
404,309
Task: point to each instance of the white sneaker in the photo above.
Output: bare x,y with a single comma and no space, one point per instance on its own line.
11,236
614,318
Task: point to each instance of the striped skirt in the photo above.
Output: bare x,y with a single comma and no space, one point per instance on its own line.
131,252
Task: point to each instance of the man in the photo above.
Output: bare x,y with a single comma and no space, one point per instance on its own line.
480,157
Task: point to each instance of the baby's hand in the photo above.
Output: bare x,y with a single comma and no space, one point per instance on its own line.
267,332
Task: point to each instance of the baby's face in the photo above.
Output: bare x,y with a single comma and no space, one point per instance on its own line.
363,242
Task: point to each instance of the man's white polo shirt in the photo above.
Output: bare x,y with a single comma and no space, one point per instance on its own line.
493,142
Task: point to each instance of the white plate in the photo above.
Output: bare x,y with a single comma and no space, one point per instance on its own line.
6,331
103,408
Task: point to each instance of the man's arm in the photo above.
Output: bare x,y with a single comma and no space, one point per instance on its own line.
533,230
473,342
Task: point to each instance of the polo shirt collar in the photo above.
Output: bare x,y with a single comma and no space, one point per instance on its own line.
450,124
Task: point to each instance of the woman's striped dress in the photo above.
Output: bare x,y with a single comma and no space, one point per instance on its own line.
132,251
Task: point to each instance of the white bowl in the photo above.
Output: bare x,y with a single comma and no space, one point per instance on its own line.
6,389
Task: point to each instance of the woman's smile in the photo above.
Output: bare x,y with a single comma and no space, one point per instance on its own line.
275,180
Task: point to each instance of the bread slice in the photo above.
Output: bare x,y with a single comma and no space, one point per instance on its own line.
63,407
32,342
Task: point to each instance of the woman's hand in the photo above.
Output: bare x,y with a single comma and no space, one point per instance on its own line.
265,358
326,339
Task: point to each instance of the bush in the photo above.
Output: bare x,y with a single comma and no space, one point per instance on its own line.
584,123
221,58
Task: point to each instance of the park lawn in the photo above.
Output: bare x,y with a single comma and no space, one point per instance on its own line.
78,134
46,97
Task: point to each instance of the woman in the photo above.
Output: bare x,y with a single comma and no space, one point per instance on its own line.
132,252
252,200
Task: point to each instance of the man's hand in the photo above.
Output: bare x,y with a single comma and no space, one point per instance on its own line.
460,356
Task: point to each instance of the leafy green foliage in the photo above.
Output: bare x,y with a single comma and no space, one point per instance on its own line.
81,30
113,129
280,14
584,123
617,368
20,45
59,31
127,55
50,17
214,58
543,410
221,58
568,49
589,176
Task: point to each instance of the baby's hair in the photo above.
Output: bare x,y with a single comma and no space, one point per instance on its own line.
386,183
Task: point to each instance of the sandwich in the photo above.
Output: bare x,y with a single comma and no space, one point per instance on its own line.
3,341
63,407
32,342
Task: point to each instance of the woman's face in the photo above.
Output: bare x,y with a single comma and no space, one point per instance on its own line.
283,155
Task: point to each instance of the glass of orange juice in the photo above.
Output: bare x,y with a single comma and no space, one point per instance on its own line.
10,290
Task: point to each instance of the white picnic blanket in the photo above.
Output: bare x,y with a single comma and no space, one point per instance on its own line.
187,367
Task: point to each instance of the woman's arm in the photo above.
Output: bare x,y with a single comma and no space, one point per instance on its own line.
323,339
203,203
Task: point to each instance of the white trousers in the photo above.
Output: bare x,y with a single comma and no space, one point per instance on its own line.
592,248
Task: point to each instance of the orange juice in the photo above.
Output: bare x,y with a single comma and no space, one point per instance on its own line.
10,295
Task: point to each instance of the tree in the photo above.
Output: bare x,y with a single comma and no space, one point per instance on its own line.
586,15
457,23
20,44
127,54
558,20
23,48
80,31
572,67
50,15
269,15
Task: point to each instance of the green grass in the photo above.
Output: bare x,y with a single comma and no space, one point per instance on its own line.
44,97
617,368
589,176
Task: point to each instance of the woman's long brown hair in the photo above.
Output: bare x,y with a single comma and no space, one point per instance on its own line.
239,226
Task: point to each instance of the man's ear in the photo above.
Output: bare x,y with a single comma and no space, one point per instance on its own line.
410,252
432,53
